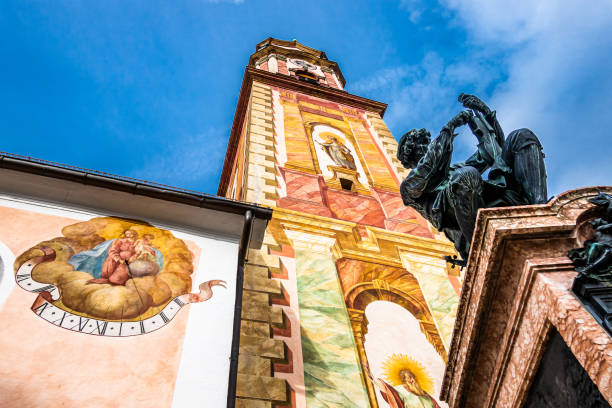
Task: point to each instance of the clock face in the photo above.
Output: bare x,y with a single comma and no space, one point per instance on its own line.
304,65
110,277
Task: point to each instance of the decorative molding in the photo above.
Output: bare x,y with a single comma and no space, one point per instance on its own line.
282,81
518,279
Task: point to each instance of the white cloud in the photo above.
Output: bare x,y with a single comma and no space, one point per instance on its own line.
415,9
558,79
554,60
191,159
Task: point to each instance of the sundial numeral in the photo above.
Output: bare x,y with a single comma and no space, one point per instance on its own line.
164,317
22,277
82,323
40,309
142,328
179,302
44,289
101,327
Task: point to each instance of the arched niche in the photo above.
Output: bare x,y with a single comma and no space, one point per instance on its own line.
325,135
392,329
361,295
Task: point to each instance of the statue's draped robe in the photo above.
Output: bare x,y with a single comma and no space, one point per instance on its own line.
425,188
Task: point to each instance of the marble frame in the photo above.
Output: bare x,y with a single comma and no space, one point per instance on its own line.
517,287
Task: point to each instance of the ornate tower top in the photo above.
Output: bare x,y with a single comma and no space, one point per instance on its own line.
297,60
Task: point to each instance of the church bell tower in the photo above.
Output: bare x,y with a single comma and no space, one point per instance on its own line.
340,241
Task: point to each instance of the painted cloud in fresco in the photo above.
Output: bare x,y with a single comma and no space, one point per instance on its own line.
147,267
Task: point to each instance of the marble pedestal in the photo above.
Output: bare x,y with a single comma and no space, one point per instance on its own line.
516,293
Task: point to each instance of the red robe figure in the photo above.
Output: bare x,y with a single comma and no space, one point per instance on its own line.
115,267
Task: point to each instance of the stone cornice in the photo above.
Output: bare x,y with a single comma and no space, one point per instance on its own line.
506,252
380,246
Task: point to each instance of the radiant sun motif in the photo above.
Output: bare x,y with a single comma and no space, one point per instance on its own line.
395,363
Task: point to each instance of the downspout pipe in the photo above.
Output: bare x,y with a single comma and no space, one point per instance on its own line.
242,258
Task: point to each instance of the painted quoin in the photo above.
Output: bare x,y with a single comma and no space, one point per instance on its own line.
350,290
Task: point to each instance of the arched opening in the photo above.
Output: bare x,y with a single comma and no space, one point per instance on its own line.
346,184
409,298
307,76
391,329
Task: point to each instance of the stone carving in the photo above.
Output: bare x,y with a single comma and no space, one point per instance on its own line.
449,195
594,259
593,262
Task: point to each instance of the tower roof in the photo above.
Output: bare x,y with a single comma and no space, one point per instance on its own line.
294,49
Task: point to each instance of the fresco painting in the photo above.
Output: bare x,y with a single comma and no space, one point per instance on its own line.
438,290
332,373
404,367
110,276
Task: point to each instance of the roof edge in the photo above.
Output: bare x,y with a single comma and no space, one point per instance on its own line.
133,186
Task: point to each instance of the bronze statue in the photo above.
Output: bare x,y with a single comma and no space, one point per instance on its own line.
449,195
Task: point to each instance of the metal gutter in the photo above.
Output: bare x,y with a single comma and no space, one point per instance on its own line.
128,185
242,255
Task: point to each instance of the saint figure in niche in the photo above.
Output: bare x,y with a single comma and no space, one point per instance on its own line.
407,385
337,151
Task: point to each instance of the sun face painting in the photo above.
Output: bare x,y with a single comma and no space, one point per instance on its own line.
103,275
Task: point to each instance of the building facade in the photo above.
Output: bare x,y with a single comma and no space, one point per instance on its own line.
350,288
116,292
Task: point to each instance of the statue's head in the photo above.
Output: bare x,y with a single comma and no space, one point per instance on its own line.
412,147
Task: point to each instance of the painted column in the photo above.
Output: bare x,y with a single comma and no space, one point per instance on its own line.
332,373
439,294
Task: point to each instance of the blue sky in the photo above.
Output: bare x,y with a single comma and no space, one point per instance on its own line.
148,88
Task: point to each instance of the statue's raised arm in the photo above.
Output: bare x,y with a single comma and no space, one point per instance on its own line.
449,196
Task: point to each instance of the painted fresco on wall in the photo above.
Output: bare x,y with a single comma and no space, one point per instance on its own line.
335,151
111,277
402,364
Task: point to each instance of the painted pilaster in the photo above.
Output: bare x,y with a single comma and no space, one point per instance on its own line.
441,297
332,372
259,351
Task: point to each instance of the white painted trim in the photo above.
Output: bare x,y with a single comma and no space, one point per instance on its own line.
207,341
7,277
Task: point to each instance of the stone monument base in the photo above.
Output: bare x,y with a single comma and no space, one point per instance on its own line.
519,329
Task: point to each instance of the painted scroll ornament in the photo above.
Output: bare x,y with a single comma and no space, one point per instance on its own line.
110,277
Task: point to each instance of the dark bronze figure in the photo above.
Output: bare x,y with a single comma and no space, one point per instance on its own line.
449,195
594,259
593,262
